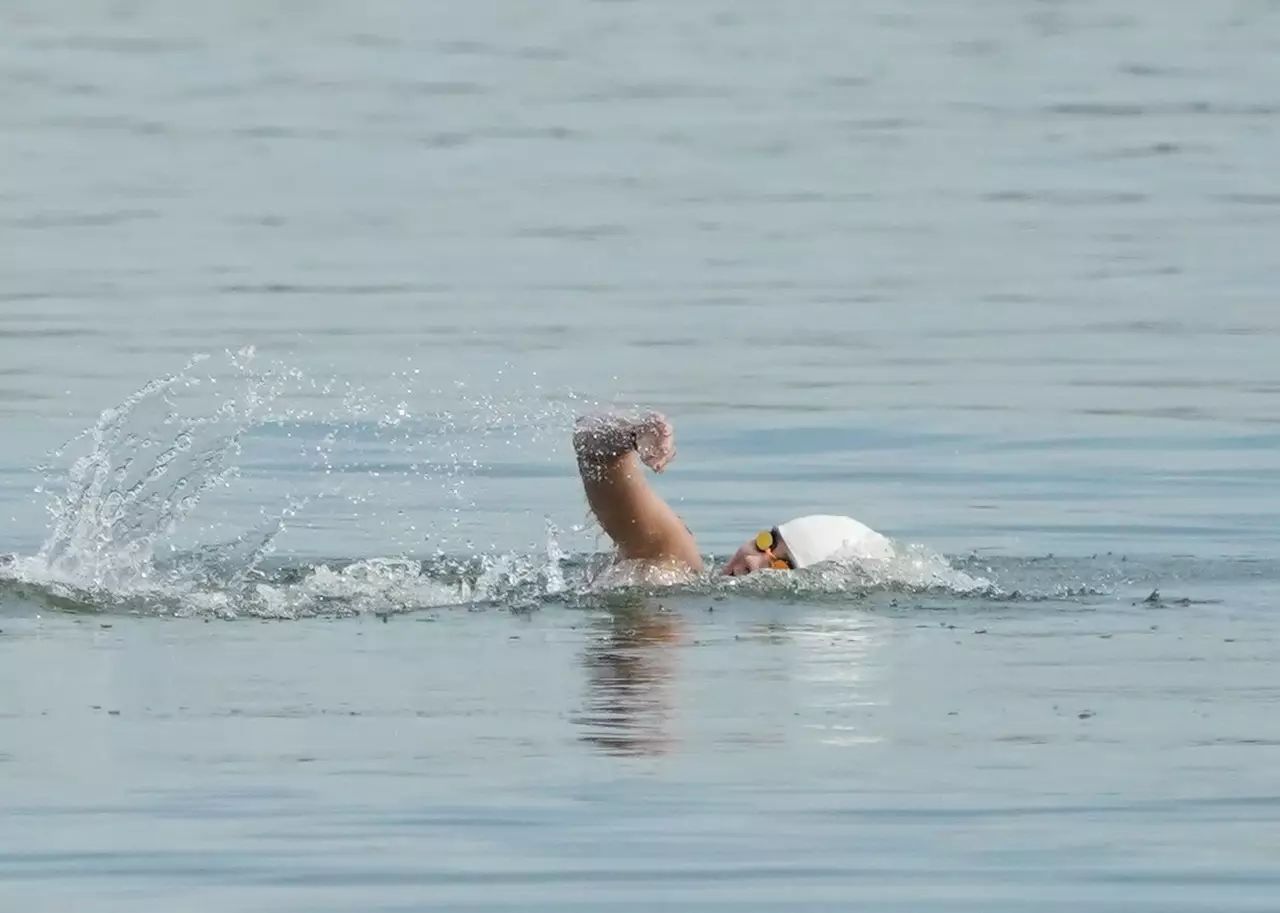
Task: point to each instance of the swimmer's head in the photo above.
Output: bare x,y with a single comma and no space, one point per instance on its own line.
805,541
765,549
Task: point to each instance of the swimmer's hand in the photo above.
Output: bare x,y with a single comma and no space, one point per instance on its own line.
601,439
655,441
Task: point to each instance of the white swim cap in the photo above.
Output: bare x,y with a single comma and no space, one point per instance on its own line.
821,537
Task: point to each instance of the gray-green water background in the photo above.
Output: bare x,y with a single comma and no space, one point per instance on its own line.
995,277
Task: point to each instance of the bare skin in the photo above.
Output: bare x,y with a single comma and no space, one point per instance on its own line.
611,450
748,558
642,525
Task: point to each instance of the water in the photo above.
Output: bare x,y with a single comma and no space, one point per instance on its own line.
997,279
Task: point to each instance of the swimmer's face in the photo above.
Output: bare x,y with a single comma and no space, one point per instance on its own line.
749,558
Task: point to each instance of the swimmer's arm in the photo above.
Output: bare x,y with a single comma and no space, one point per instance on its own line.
642,525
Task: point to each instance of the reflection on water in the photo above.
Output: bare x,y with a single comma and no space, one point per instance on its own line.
840,669
630,662
801,678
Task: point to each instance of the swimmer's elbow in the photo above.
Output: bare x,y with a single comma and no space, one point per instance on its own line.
581,439
583,449
600,439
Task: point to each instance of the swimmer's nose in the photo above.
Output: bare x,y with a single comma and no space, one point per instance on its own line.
740,565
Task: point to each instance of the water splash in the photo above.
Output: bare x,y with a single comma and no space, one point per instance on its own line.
138,474
910,569
149,462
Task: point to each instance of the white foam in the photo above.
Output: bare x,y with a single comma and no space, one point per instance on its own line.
908,567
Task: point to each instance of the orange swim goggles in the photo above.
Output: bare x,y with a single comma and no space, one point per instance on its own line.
766,541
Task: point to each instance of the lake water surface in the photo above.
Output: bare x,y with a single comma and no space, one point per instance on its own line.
998,278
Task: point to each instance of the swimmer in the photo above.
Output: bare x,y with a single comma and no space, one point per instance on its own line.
611,450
